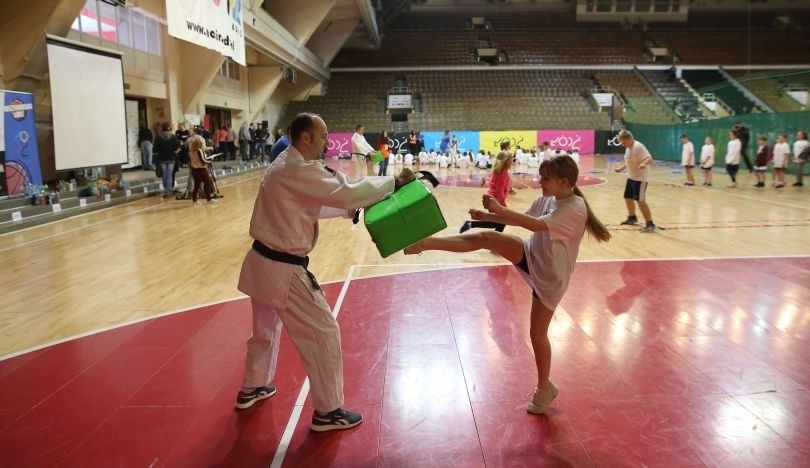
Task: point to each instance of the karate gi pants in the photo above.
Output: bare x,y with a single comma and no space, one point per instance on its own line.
313,331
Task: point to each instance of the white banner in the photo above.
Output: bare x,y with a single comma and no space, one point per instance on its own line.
213,24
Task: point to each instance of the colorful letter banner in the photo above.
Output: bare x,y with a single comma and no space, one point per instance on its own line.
339,143
467,141
582,140
525,139
213,24
19,141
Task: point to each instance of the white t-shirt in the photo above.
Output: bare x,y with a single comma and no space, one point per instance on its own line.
551,255
688,154
633,157
707,156
798,147
781,151
733,152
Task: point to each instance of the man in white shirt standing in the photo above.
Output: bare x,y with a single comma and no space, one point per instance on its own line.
688,159
363,152
296,191
637,161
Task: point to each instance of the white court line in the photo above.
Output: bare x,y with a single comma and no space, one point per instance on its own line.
286,437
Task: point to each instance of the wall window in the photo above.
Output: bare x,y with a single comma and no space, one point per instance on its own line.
229,69
124,27
88,18
138,31
118,24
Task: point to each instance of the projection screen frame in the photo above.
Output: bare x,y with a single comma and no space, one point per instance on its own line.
88,123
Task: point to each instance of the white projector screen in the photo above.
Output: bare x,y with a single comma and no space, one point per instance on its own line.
87,97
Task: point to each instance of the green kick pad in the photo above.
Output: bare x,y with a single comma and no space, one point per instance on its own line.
404,218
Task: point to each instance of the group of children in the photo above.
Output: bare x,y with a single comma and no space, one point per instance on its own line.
778,155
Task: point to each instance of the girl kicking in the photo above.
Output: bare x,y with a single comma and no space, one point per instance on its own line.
558,220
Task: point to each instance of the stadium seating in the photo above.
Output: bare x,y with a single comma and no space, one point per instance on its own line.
771,87
643,104
712,81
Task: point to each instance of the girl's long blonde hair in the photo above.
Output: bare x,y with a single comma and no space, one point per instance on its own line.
503,157
564,167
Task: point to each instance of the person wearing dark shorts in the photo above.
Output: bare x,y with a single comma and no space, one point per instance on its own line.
637,161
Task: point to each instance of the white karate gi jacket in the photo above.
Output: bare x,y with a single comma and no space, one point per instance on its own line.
294,194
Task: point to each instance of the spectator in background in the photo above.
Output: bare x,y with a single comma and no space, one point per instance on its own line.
741,132
413,143
362,151
800,145
707,161
222,140
733,152
280,145
384,148
781,151
637,161
244,140
145,143
761,161
688,159
231,145
167,146
445,143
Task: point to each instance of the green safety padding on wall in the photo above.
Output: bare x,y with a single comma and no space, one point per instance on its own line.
664,142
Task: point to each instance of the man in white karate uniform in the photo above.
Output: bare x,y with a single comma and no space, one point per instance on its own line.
296,191
362,152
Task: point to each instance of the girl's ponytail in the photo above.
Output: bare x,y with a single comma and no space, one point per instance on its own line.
593,225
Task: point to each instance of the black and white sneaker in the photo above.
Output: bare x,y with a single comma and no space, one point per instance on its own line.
246,400
335,420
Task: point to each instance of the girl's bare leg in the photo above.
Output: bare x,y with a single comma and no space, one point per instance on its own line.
538,331
506,245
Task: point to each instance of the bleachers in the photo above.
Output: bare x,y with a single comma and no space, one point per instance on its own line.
674,92
643,103
771,87
711,81
491,100
557,38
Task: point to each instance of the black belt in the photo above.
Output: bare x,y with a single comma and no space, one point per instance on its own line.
284,257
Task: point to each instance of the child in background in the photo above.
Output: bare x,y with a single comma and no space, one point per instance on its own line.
733,151
707,161
498,188
761,161
781,151
688,159
557,220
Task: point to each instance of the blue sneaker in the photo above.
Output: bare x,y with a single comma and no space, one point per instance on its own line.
465,227
246,400
335,420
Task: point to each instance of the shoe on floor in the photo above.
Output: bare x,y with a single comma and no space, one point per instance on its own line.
542,399
630,221
648,228
335,420
732,185
246,400
798,184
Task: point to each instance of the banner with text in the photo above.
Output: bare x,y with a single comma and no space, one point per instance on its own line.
583,140
339,143
491,140
467,141
213,24
20,141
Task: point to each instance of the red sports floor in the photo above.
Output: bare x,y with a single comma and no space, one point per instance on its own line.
659,363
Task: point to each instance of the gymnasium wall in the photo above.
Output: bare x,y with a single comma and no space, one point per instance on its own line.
664,143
